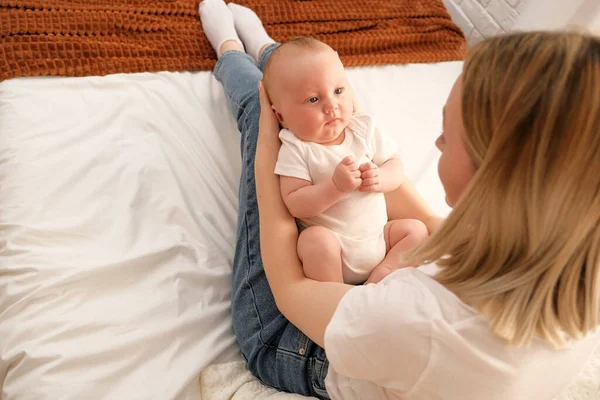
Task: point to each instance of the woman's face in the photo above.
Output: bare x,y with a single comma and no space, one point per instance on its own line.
455,166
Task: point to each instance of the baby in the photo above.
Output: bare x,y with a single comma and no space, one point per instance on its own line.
334,167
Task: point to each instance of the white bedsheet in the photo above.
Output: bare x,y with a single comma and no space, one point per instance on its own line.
118,210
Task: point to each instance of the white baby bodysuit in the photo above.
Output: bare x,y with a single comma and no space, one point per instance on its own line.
358,218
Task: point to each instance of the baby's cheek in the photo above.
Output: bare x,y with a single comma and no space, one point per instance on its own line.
349,109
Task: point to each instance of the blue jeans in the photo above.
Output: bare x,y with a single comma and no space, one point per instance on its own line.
277,352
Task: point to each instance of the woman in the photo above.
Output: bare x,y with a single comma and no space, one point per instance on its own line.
519,272
517,296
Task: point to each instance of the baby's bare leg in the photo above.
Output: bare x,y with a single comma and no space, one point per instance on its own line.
401,235
320,252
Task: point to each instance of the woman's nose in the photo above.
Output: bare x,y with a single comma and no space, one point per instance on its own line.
438,143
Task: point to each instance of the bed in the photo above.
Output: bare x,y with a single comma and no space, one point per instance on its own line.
117,228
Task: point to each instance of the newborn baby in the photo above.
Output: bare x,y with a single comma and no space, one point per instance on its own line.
334,167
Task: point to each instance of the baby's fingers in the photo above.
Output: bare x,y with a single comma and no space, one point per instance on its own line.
370,173
369,181
348,160
367,166
349,163
368,189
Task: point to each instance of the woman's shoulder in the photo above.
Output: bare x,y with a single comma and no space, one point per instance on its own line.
421,280
384,332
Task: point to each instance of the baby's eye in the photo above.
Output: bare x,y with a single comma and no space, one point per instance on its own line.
339,90
313,100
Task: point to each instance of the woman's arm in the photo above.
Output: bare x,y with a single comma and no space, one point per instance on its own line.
308,304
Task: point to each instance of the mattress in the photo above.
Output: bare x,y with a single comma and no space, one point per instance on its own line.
117,227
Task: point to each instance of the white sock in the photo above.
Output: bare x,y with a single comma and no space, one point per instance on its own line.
218,24
250,29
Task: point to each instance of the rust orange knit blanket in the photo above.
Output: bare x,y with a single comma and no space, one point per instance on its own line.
99,37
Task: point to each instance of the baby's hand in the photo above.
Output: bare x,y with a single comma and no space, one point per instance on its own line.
371,180
346,176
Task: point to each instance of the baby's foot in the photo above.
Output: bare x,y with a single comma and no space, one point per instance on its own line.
250,29
218,24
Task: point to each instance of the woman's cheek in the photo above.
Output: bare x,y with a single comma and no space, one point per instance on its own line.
445,177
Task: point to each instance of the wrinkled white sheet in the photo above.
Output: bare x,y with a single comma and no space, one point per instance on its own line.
118,201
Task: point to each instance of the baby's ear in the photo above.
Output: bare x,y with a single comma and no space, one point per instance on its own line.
278,115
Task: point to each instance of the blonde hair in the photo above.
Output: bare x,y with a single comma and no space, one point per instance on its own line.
522,244
294,47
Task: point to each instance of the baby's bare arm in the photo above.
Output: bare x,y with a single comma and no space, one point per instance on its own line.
402,199
305,200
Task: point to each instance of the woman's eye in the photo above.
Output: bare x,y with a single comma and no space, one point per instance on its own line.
313,99
339,91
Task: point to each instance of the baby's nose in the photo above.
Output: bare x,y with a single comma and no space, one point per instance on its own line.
329,108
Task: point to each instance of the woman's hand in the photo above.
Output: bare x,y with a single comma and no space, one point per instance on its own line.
268,143
268,120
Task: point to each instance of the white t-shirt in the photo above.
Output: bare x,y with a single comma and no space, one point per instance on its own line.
316,163
410,338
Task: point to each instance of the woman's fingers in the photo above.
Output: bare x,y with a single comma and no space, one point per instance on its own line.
264,99
269,125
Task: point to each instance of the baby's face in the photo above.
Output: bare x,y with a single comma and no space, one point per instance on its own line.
313,97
